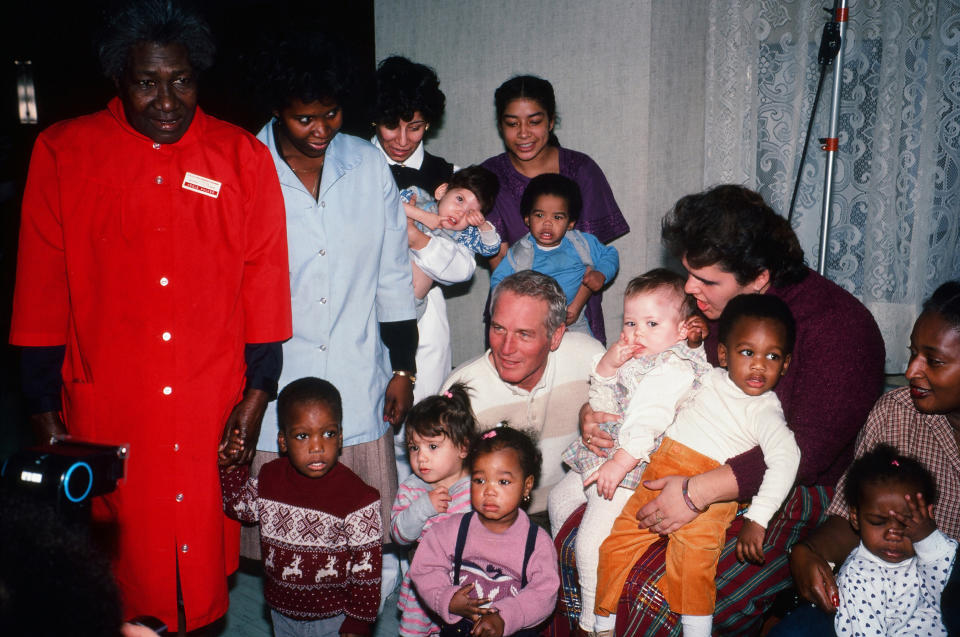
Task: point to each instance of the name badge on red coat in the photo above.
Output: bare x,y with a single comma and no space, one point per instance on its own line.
202,185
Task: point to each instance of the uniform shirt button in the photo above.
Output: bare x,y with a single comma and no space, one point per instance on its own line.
156,146
164,281
167,390
166,336
179,497
323,348
159,179
323,253
323,299
323,204
176,446
184,548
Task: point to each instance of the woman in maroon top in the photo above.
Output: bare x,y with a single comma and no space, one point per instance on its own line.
731,242
526,114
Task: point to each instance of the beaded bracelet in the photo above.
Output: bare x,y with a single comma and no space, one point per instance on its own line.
686,497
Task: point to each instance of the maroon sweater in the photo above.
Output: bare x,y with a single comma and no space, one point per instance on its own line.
321,540
835,376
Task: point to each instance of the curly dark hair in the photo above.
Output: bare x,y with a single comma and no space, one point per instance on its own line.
307,65
885,465
763,306
306,391
733,227
945,301
404,87
443,415
481,182
159,21
528,87
552,184
506,437
658,278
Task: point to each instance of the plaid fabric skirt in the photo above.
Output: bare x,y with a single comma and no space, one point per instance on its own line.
744,591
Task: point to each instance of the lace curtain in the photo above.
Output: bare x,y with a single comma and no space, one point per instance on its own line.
895,209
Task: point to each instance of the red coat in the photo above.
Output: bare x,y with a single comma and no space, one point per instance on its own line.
155,287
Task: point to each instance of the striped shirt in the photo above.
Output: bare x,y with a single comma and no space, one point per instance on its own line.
412,516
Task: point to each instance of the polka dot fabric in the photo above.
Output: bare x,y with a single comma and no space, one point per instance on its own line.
881,598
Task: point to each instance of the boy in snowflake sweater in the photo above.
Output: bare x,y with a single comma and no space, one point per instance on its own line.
320,526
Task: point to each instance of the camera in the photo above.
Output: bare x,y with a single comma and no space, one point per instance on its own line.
67,472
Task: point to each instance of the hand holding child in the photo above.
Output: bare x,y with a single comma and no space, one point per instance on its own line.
594,280
750,542
470,607
919,524
232,448
440,498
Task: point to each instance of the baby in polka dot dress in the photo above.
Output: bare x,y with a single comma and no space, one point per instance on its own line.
891,584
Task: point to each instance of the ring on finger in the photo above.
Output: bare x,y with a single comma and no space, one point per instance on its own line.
659,517
588,439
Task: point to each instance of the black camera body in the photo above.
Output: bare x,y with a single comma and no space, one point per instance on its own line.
67,472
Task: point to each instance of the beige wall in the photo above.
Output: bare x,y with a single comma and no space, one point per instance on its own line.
629,83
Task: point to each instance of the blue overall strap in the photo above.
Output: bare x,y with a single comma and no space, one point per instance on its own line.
528,551
461,542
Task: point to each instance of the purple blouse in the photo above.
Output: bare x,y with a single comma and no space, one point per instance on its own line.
600,216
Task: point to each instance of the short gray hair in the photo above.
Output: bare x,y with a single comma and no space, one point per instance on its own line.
163,22
538,286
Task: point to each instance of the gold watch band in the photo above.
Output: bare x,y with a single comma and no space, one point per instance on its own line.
401,372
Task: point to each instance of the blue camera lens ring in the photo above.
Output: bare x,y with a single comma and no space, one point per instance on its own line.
66,481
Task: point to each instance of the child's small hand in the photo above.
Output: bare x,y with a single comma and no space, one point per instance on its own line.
489,625
608,477
429,220
750,542
475,218
697,330
440,498
573,313
472,608
594,279
618,354
231,449
919,524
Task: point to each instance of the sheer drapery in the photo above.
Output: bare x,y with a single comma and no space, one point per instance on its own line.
895,209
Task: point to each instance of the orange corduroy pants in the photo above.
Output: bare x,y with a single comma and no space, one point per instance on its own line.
692,551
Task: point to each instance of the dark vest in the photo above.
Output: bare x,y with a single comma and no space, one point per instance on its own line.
433,172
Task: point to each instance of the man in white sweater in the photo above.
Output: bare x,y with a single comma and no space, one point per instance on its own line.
535,375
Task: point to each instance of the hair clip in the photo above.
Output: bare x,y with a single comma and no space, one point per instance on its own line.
490,434
448,394
895,463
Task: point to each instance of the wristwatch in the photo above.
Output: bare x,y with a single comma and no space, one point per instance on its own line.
401,372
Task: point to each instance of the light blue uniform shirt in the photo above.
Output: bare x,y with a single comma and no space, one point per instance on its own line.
349,271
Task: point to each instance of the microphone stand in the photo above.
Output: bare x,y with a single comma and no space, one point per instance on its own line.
831,143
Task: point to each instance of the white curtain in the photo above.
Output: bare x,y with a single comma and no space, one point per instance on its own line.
895,209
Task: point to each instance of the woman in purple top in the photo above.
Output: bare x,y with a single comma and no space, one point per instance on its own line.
526,113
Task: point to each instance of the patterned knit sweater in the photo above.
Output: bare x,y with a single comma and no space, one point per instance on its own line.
321,538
